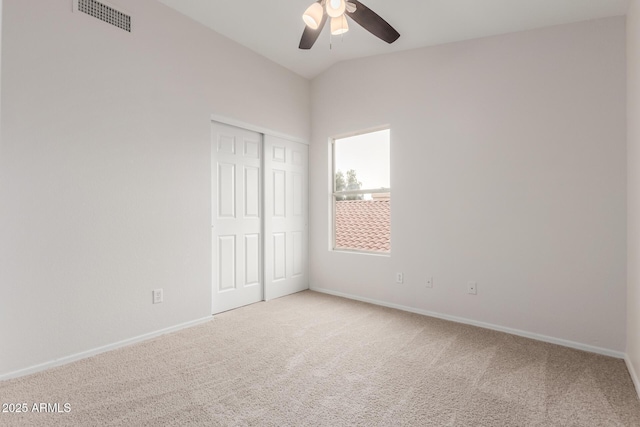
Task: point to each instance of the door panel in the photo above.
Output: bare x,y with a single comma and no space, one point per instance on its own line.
252,259
298,250
298,200
252,192
286,205
227,262
226,190
237,217
279,194
279,256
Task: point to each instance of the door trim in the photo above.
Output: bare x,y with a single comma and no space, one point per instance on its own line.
248,126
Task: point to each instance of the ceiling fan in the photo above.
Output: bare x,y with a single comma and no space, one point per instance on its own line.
317,14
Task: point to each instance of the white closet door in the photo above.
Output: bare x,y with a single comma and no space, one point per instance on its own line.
236,185
286,217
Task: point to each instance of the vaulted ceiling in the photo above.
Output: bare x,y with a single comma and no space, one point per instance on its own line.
273,28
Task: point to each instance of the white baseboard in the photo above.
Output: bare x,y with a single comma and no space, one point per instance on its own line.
95,351
538,337
634,375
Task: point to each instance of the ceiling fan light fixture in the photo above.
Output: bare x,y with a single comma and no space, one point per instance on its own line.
361,15
339,25
313,15
335,8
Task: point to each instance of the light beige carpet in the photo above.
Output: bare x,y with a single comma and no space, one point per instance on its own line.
316,360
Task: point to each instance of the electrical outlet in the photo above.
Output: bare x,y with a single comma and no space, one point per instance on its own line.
429,283
472,288
399,278
157,296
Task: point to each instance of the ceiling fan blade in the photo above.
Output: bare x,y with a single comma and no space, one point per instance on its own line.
372,22
310,36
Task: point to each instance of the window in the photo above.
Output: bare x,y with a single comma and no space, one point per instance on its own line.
362,193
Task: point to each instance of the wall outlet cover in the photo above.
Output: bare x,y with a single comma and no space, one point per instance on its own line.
157,296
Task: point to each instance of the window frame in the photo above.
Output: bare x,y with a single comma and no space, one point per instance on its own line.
335,194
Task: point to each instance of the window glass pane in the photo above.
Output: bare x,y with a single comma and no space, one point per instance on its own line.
362,218
362,161
364,225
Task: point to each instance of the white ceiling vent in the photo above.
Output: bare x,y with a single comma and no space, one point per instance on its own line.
104,12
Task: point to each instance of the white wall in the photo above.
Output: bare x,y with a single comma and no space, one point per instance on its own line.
105,170
508,168
633,190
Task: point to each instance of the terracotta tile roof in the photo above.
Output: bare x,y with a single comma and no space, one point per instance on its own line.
363,225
